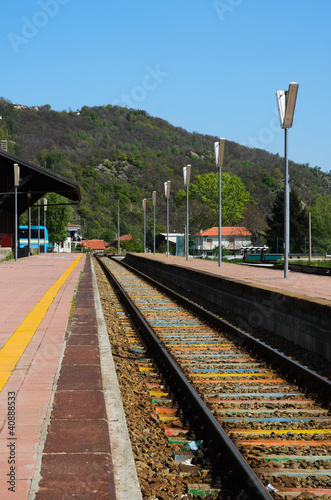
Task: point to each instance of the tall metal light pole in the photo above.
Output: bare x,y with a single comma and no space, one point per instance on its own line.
29,224
309,229
144,209
38,226
118,228
45,210
16,184
154,205
187,178
167,195
286,105
219,157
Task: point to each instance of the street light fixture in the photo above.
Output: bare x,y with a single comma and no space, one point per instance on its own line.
144,209
286,106
219,147
154,205
167,195
16,184
187,178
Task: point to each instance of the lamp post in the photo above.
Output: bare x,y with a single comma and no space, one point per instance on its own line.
29,224
144,209
187,178
118,228
154,205
167,195
16,184
309,229
286,105
45,210
219,157
38,226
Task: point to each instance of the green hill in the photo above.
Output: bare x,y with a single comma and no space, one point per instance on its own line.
119,153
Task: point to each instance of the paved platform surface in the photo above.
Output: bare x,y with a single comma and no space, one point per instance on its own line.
23,284
43,375
311,287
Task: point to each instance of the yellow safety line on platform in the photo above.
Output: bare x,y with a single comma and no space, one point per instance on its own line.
16,345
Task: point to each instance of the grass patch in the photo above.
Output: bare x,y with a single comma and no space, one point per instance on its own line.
312,263
9,256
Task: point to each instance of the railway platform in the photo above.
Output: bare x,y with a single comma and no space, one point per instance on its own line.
297,308
62,427
310,287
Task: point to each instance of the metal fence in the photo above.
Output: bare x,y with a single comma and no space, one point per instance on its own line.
298,245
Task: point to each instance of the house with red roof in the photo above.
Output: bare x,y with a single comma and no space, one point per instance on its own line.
233,238
125,237
95,245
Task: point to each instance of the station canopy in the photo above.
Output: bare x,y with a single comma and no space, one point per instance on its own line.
35,182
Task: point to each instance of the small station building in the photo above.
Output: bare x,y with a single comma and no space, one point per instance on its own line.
33,183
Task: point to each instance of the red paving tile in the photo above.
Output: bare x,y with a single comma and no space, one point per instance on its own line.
79,404
81,355
79,377
77,436
82,339
82,330
79,476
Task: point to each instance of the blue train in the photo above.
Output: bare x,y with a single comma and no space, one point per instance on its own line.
43,237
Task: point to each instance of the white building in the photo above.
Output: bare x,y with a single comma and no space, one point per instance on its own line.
74,237
172,237
74,233
233,238
64,247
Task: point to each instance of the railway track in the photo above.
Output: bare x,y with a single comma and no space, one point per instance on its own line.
275,429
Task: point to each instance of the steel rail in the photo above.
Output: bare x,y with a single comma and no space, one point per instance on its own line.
309,380
186,394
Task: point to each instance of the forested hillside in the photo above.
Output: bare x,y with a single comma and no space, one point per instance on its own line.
119,153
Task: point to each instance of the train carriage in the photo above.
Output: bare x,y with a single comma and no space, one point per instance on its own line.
23,237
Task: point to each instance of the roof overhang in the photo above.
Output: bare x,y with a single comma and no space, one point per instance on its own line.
34,180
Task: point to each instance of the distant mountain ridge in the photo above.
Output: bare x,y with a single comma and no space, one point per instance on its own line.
119,153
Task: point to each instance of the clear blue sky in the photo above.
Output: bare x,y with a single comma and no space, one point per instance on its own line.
211,66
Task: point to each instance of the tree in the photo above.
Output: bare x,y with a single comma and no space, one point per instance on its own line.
253,218
133,245
58,216
204,191
225,251
321,222
298,221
